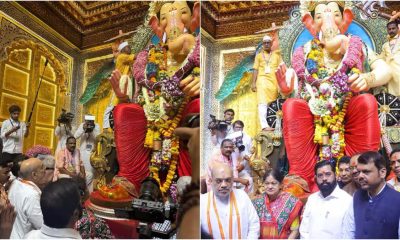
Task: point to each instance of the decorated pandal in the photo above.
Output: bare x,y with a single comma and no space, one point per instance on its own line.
333,100
140,139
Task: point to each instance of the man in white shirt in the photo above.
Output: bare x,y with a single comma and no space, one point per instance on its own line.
324,211
229,115
13,133
87,132
243,145
227,213
61,206
64,129
24,195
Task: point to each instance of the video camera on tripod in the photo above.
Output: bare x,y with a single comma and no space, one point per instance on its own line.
149,208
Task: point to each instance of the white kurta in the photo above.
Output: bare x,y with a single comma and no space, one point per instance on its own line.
249,221
63,133
14,143
87,144
25,197
323,217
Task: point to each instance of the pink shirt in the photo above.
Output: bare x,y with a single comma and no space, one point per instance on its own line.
71,162
232,162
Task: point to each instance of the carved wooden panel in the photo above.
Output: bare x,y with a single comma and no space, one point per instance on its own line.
45,114
7,100
44,136
15,80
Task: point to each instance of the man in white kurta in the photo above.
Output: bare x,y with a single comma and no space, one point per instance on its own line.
226,212
63,131
324,212
391,54
24,195
88,139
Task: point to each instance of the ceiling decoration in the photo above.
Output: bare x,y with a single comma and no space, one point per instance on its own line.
242,18
236,18
89,24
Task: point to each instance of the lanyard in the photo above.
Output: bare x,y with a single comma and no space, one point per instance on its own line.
232,203
269,58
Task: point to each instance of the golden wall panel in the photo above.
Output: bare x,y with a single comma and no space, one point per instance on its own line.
101,98
21,58
44,136
45,114
49,72
244,101
48,92
7,100
15,80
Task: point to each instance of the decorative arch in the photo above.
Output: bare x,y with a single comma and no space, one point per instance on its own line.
20,74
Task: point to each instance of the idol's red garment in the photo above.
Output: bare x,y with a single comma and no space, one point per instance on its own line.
130,132
362,133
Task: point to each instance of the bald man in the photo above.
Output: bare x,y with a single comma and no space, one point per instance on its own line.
24,195
227,212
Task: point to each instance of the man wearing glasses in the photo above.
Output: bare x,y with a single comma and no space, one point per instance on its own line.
395,165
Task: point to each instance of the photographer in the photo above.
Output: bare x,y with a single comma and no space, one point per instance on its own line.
229,115
243,144
64,129
219,131
87,131
13,133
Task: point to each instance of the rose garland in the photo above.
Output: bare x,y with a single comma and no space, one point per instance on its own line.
328,93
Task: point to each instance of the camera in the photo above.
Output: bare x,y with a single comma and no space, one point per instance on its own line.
237,138
89,126
65,117
150,208
216,124
239,144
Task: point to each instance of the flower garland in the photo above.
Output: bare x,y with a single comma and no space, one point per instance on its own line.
163,103
328,93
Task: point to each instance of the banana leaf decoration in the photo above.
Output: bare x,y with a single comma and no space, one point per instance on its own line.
234,76
94,82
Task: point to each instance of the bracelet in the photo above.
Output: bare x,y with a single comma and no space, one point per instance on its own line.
369,78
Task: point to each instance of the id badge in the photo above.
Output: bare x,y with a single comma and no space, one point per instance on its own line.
267,70
89,147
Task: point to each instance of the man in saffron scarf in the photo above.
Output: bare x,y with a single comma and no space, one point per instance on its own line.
279,211
226,212
68,161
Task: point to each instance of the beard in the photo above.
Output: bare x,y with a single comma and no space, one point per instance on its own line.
327,188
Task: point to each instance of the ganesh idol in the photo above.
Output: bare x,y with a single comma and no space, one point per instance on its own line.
168,76
329,113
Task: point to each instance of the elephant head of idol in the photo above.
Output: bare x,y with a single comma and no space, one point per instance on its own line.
174,26
327,20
